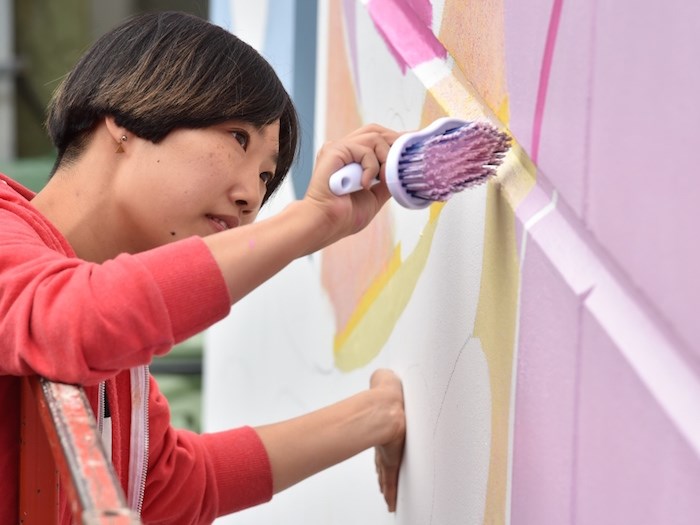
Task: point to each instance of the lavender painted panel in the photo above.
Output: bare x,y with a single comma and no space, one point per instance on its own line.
563,141
526,31
545,396
632,465
644,189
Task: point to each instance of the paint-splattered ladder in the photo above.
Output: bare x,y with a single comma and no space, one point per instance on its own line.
59,441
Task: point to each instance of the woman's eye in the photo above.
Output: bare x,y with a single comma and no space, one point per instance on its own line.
266,177
242,138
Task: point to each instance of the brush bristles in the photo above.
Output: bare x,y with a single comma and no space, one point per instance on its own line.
453,161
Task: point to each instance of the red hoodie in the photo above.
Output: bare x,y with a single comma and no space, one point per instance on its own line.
78,322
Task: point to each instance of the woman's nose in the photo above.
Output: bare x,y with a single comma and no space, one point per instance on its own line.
248,195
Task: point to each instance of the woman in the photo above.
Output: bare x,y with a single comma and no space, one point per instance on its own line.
171,134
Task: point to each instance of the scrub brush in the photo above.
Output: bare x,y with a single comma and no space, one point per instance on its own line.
432,164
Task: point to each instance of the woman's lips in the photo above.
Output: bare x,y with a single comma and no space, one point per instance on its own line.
222,222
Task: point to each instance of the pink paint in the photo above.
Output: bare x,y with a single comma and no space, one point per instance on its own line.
524,50
643,189
564,135
544,427
544,77
632,465
405,27
423,10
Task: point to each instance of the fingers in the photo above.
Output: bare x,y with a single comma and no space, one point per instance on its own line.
391,483
380,469
368,146
384,377
388,478
389,135
379,139
343,153
388,456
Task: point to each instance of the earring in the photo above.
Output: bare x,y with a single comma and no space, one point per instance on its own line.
120,149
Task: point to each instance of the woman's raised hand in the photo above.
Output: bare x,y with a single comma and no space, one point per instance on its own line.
348,214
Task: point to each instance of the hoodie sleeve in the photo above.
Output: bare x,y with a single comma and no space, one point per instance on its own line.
78,322
195,478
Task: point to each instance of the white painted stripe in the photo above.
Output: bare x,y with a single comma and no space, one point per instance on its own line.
637,335
537,217
639,338
433,71
653,357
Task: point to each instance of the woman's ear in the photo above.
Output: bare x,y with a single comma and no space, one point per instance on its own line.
114,130
119,134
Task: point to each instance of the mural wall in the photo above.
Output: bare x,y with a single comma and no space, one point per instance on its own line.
543,324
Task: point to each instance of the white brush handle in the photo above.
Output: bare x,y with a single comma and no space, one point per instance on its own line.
347,179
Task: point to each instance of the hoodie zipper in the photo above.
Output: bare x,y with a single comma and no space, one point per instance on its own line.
100,406
104,419
139,442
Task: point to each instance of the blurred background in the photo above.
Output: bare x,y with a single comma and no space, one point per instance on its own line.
40,40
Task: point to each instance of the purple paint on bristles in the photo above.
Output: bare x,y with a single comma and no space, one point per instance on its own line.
447,163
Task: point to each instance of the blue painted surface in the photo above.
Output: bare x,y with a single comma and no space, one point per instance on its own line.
220,13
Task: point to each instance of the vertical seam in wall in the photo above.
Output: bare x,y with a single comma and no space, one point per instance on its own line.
577,396
585,210
589,119
527,226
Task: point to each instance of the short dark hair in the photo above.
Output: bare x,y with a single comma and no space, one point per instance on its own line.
161,71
